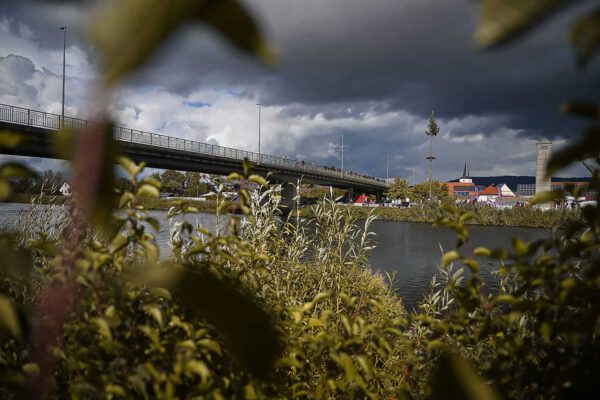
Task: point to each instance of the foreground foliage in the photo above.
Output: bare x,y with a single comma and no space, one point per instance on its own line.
264,308
261,309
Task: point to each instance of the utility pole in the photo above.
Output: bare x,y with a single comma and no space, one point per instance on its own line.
258,104
62,115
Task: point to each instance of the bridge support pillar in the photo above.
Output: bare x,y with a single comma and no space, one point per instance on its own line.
350,195
288,192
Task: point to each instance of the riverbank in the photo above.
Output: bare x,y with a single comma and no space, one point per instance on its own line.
482,215
150,203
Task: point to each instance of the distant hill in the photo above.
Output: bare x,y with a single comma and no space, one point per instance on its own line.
512,181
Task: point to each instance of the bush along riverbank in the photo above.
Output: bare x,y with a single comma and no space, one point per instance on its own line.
479,215
264,309
149,203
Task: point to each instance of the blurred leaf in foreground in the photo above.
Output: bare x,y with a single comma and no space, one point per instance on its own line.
585,36
127,34
503,20
456,379
247,329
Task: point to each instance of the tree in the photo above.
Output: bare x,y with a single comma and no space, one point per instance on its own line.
399,189
51,181
192,184
173,182
430,190
432,130
123,185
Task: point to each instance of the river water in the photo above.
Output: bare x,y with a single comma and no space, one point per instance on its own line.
412,250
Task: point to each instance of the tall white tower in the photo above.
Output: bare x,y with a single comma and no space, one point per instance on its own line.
543,152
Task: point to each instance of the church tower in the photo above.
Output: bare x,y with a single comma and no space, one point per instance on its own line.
466,178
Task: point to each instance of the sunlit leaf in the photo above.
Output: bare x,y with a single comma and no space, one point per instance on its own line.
258,180
9,320
31,369
146,190
450,257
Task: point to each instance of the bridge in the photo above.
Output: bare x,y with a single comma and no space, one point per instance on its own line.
167,152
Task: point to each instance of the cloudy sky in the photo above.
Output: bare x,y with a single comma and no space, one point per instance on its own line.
371,71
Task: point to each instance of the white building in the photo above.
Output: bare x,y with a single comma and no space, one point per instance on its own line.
65,189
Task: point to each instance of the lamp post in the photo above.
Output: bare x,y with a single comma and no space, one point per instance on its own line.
387,169
342,170
258,104
62,115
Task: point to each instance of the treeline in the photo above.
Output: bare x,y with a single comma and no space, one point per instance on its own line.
400,189
46,183
480,215
173,183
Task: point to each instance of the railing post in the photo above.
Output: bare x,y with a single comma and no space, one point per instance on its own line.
28,117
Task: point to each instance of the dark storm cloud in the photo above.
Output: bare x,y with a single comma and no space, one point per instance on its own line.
406,55
409,55
344,58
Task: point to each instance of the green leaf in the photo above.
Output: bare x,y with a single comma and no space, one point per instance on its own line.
155,313
586,147
456,379
9,320
482,251
450,257
14,169
585,36
211,345
160,293
258,180
5,190
10,139
547,197
103,328
234,176
126,199
130,167
247,330
234,22
31,369
127,35
199,368
146,190
118,242
503,20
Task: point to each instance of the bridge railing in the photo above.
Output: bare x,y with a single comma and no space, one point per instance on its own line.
23,116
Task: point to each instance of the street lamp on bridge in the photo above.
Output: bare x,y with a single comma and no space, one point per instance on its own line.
258,104
62,115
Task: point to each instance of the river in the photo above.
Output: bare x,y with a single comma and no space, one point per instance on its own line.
410,249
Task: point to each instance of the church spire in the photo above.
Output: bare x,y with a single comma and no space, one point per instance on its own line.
465,171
